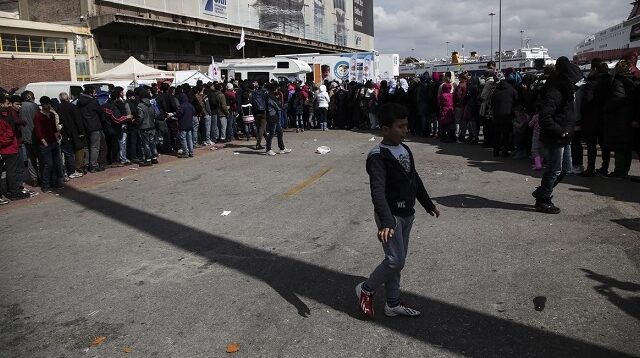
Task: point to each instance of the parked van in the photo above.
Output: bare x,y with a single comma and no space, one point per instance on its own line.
53,89
278,69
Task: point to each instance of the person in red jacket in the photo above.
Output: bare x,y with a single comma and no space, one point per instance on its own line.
47,137
9,151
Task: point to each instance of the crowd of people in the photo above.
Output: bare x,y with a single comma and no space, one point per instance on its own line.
64,138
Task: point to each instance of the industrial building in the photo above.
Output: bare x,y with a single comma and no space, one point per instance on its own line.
170,34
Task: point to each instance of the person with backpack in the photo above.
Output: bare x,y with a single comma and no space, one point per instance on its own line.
259,107
557,120
92,119
222,110
147,131
9,147
273,121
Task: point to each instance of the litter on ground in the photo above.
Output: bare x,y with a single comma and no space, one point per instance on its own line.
323,149
225,213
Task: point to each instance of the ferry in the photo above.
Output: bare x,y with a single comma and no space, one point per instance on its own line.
611,43
523,59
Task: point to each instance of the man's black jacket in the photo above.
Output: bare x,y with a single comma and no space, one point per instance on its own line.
393,190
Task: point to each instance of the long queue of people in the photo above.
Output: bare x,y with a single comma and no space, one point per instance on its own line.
64,138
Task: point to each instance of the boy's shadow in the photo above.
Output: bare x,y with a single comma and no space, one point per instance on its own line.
468,201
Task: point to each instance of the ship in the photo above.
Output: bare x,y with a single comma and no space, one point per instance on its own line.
523,59
611,43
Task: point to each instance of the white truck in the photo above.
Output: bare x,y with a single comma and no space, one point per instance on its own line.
355,66
267,68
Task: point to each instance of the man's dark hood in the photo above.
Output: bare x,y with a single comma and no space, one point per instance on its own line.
568,71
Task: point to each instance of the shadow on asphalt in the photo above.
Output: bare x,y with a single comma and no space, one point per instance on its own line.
457,329
483,159
467,201
630,306
631,224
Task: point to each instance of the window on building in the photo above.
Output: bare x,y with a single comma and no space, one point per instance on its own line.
283,64
22,42
32,44
8,42
36,44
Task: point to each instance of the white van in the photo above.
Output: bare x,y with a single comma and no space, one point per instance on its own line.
278,69
53,89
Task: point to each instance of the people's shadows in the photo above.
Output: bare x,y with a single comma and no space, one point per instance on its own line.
631,224
630,306
483,159
455,328
468,201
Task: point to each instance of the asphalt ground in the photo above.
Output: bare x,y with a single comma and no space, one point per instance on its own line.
144,259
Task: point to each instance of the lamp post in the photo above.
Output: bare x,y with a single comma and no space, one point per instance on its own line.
491,53
412,55
521,38
500,37
446,54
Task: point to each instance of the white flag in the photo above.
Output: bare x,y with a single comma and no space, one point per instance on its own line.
241,44
213,70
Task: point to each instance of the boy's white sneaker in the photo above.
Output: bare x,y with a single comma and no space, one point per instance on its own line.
271,153
400,310
285,151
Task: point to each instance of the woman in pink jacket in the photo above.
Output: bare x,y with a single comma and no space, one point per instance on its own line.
446,120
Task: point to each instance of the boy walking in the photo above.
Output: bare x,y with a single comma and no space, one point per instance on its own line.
395,186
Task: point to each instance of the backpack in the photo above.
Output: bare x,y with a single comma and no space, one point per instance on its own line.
273,109
157,112
257,100
213,103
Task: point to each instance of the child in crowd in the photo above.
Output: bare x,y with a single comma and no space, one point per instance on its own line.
520,130
536,145
247,115
446,121
395,186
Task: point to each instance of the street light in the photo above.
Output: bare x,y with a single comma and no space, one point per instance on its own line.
491,53
521,38
446,55
500,37
412,55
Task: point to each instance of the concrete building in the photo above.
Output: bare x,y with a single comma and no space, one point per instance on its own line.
186,34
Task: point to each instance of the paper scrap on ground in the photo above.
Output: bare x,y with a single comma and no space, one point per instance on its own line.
133,168
323,149
98,341
236,153
225,213
233,347
373,139
167,170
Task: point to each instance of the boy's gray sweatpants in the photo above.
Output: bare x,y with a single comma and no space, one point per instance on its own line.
395,251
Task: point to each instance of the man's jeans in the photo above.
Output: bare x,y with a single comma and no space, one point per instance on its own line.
69,157
207,128
94,148
273,127
148,143
230,126
222,121
10,162
215,133
558,165
51,165
195,133
186,138
34,167
395,254
21,167
122,142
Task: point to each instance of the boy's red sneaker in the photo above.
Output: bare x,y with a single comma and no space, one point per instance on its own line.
365,301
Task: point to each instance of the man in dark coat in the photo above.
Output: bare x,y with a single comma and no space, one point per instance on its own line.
595,93
92,119
620,111
557,120
504,100
73,134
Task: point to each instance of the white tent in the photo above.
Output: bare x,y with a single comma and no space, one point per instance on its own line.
133,70
190,77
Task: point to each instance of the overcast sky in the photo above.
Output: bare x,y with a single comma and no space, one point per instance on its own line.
426,25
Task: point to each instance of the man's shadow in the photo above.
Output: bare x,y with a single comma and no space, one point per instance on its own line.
468,201
630,306
457,329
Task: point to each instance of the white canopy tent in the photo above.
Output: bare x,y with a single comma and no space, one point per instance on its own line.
190,77
133,70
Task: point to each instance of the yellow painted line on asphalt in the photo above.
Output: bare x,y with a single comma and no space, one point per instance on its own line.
305,183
